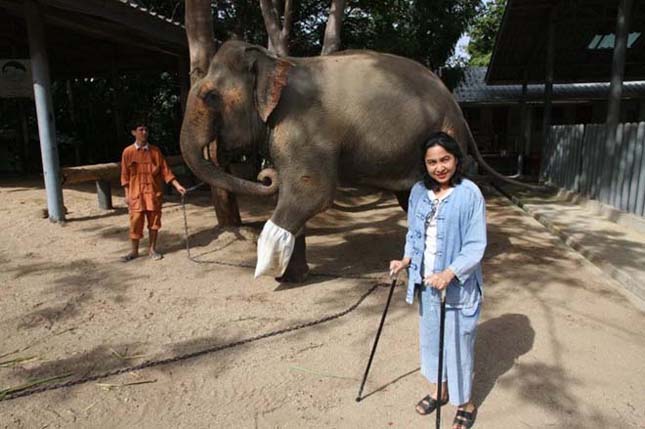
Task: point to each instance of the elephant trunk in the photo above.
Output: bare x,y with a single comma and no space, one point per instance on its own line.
198,135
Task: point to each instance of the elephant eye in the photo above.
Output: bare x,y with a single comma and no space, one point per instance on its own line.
211,98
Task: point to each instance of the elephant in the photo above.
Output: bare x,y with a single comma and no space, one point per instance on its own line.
356,117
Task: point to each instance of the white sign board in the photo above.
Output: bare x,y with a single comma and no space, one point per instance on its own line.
15,78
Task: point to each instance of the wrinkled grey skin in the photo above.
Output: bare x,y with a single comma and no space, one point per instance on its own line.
357,117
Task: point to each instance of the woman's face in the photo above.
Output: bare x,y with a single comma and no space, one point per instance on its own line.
441,164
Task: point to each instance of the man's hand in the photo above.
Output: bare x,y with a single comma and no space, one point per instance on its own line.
440,280
397,265
178,187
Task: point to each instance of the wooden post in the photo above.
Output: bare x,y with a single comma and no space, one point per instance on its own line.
521,149
104,193
44,111
74,118
119,128
615,93
527,124
618,67
548,90
24,133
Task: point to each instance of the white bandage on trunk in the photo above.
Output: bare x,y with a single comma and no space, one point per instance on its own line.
275,247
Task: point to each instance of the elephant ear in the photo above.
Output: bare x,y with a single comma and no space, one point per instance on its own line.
270,79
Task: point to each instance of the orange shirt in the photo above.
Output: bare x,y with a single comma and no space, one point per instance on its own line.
143,171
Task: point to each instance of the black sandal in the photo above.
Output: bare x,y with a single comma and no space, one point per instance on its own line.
128,257
464,419
428,404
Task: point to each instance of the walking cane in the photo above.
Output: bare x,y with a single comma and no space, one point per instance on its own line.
442,323
378,334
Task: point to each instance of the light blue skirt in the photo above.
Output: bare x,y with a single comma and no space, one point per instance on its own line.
459,346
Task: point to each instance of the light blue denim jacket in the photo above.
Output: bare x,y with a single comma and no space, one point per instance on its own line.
461,241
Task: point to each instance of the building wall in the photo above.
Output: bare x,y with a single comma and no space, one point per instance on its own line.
500,137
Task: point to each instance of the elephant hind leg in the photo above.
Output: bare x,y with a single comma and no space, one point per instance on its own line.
403,197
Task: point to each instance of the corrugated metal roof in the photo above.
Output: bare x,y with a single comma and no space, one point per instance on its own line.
150,12
521,42
473,89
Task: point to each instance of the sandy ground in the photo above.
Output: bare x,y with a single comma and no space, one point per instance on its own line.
558,345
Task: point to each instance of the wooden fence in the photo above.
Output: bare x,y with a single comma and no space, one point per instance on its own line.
576,157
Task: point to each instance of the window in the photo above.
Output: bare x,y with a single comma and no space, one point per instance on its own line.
607,41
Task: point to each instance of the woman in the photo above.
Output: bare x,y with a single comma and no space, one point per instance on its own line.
444,246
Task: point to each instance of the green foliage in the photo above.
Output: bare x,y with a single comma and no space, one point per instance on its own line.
95,117
484,31
425,30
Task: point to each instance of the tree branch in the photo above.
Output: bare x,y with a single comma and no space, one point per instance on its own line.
272,23
288,20
333,28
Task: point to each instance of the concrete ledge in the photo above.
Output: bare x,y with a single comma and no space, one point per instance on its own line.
625,279
611,214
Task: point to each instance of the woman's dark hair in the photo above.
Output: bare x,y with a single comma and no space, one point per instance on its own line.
450,145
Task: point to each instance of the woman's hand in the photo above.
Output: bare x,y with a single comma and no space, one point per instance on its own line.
440,280
397,265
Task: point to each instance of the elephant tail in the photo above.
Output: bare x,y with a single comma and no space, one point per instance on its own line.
480,160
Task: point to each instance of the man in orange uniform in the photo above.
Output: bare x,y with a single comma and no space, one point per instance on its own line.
143,171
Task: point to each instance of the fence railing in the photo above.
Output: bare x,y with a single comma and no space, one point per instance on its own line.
576,157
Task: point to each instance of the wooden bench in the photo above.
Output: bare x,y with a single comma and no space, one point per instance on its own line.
103,174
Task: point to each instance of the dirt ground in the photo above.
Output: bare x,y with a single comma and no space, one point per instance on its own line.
558,346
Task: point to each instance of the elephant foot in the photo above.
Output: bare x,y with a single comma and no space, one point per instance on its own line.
295,276
298,269
275,247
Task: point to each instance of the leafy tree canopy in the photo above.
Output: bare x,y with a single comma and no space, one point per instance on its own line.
425,30
483,32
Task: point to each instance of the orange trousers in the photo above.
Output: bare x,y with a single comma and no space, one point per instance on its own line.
137,219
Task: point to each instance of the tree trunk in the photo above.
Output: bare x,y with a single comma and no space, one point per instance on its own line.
278,43
226,208
334,26
201,45
201,41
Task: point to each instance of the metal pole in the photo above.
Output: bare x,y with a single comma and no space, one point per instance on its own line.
44,111
548,93
442,328
378,335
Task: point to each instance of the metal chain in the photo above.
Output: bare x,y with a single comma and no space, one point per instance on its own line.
9,394
152,363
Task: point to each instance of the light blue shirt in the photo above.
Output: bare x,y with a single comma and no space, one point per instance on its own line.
461,242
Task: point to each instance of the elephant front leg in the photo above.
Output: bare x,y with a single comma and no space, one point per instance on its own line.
281,245
297,270
276,246
281,254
